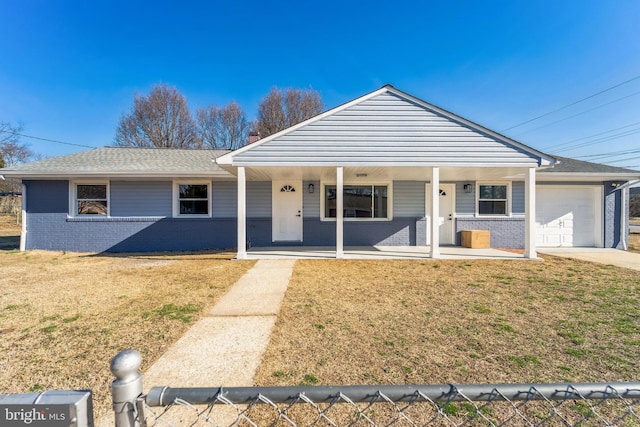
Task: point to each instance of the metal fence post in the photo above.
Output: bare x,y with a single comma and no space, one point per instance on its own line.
126,388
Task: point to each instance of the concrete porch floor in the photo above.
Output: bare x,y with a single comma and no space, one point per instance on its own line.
377,252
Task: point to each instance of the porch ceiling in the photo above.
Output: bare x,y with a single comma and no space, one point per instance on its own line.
362,173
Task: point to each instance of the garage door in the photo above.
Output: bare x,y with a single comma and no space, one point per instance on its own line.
568,216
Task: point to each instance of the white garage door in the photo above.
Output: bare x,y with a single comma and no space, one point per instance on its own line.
568,216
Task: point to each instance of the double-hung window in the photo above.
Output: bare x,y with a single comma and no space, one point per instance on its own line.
359,201
493,199
91,199
192,199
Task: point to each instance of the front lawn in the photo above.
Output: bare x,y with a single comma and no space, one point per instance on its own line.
64,316
634,242
396,322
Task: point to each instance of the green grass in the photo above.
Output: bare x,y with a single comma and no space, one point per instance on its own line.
71,319
575,338
183,313
309,379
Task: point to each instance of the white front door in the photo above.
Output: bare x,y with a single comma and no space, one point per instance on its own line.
445,218
287,211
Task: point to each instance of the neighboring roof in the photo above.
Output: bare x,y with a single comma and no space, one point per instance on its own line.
124,161
569,166
387,127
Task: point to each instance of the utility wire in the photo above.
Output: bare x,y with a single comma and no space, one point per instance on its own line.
600,140
572,104
605,155
580,113
616,161
593,135
46,139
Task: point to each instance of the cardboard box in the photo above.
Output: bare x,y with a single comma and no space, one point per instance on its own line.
476,239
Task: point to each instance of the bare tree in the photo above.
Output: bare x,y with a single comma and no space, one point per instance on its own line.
161,119
223,128
12,150
278,110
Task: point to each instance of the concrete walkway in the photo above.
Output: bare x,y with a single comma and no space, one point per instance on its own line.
615,257
226,347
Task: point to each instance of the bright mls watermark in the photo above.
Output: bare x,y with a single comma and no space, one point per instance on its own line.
35,415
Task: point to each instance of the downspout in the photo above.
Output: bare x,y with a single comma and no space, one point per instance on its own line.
23,234
623,211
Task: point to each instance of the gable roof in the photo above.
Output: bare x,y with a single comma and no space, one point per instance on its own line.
387,127
124,161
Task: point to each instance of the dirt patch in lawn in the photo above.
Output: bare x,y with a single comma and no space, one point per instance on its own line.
398,322
64,316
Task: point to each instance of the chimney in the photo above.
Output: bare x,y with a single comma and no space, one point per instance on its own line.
253,137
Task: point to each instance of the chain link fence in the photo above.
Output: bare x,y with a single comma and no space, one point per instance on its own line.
10,205
419,405
585,404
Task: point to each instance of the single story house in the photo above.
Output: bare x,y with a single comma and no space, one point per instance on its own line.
374,171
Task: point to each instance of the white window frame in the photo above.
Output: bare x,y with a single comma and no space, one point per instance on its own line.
507,200
387,184
73,199
176,198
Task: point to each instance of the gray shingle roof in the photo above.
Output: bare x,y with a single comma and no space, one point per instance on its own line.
568,165
125,161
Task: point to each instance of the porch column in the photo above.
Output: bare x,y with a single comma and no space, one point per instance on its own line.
530,213
339,212
435,213
242,214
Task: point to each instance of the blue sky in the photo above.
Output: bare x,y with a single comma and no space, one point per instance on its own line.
69,69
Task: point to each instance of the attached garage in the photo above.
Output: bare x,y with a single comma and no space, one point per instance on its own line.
569,216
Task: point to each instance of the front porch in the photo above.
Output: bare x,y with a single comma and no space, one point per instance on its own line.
380,253
387,169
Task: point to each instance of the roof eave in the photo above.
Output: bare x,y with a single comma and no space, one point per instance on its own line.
545,159
594,176
113,174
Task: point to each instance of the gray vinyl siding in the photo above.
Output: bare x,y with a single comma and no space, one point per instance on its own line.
259,199
385,130
517,197
224,199
132,198
311,201
465,202
408,199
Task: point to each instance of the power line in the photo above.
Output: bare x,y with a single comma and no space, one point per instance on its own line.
616,161
46,139
611,154
580,113
571,104
600,140
595,134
